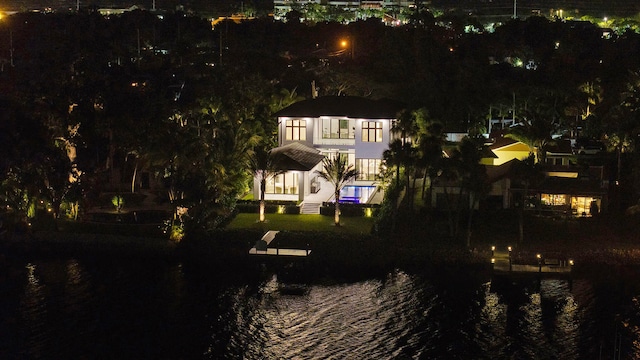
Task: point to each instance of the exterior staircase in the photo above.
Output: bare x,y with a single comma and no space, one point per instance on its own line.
310,208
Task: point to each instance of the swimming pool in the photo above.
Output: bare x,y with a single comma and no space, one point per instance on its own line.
356,194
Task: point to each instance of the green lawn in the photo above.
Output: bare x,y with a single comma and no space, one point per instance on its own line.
349,225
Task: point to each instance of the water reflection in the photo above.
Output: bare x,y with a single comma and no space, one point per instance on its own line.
86,309
372,317
33,311
405,316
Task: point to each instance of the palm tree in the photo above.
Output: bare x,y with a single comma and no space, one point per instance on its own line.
526,173
393,156
430,139
336,171
474,178
462,170
541,117
263,166
406,126
402,150
536,134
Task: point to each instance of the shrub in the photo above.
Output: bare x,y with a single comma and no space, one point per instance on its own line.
292,209
129,199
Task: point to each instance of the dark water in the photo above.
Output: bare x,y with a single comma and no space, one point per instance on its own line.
133,309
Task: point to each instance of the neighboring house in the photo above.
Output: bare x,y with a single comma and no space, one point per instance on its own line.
566,188
580,196
355,127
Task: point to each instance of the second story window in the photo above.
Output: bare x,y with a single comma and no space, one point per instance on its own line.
338,129
372,131
296,130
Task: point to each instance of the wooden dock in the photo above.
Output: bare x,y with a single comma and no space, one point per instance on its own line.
279,252
502,263
262,247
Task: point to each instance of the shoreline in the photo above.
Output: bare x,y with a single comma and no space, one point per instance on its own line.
336,256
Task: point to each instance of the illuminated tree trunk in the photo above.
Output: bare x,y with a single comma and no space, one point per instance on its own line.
263,186
336,215
133,178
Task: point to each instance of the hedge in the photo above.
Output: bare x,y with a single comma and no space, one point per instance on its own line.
271,207
354,210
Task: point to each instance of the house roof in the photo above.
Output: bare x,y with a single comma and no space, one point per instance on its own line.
487,153
502,142
348,106
495,173
296,156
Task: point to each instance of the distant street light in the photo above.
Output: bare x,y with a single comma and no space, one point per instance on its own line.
349,43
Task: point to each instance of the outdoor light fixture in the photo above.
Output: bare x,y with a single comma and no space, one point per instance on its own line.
571,262
509,248
539,262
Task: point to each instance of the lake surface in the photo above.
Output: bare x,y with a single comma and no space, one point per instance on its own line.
90,308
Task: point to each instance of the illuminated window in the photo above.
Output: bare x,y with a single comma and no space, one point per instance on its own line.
286,183
372,131
296,130
368,169
553,199
338,129
585,206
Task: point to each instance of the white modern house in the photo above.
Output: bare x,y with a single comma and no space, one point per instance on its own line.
355,127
